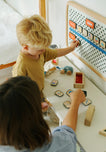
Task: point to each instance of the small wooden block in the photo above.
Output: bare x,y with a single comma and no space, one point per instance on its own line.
87,102
103,132
68,92
59,93
78,80
67,104
89,115
54,82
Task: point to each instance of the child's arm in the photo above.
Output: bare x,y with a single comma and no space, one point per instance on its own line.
64,51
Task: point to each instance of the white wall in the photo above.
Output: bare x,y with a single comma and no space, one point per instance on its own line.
57,20
25,7
98,6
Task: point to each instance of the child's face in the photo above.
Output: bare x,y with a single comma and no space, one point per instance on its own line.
35,51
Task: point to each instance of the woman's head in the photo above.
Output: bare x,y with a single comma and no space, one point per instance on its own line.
34,31
21,121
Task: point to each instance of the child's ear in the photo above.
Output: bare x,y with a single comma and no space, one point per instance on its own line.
26,47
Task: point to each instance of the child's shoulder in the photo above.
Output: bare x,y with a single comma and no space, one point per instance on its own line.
22,58
50,50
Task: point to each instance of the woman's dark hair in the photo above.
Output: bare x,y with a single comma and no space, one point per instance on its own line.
21,120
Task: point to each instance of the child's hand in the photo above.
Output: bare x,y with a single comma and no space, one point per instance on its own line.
44,106
74,44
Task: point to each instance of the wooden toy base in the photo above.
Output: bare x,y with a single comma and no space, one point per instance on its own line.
78,80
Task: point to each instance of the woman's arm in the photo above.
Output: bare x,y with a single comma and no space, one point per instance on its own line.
70,119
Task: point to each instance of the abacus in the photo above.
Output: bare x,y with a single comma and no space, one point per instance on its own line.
89,28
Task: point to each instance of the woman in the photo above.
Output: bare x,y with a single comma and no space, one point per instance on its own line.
22,126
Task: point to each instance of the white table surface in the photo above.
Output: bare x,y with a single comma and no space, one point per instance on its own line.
89,137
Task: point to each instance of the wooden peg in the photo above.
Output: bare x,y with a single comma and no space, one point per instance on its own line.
103,132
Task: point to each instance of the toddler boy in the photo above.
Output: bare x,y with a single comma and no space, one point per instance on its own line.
35,37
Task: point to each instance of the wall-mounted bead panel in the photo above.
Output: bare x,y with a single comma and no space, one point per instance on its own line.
90,29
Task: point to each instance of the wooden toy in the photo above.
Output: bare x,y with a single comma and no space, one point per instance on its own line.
68,92
52,69
78,80
87,102
89,115
103,132
58,67
54,82
67,104
85,92
47,73
59,93
66,69
79,42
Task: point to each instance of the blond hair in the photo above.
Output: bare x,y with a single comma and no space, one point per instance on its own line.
34,31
